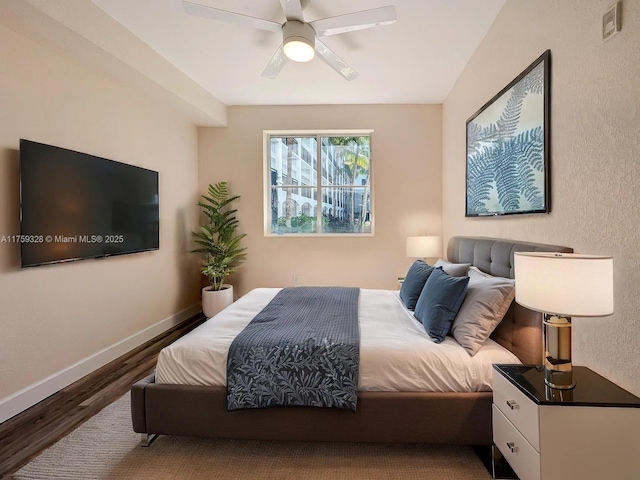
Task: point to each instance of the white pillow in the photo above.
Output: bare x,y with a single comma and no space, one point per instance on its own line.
487,300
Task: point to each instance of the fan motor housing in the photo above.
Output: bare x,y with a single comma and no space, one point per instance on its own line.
295,31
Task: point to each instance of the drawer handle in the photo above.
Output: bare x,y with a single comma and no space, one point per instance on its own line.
513,447
512,404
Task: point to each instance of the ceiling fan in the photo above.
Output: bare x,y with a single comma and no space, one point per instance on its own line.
300,39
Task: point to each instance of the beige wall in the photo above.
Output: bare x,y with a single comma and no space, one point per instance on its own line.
595,145
54,316
406,187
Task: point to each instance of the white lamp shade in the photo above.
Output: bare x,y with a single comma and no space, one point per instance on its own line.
423,247
564,283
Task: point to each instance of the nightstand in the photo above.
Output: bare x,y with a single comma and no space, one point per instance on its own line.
589,432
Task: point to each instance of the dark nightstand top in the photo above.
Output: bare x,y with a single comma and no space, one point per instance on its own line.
591,389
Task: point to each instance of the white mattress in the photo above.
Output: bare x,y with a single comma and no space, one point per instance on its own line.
396,354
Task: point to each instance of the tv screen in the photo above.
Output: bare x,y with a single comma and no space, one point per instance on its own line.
76,206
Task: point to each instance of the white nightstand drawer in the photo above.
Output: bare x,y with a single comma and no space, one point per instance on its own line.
518,408
522,457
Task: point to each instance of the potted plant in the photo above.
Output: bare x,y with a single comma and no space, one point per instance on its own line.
219,245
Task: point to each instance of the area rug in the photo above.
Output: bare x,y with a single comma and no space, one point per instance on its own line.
105,447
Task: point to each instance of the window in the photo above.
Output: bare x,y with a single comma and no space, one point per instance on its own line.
334,170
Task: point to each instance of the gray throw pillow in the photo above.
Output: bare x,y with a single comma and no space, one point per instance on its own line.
487,300
453,269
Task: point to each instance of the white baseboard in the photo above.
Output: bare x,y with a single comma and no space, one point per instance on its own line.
29,396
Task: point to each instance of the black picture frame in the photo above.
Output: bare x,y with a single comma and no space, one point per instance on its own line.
508,147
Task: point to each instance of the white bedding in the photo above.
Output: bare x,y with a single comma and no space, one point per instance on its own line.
396,354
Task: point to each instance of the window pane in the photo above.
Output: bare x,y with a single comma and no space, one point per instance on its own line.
293,210
346,210
340,204
346,160
293,160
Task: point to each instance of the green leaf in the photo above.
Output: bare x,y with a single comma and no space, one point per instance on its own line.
217,240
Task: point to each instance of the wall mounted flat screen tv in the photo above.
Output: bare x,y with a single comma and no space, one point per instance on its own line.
75,206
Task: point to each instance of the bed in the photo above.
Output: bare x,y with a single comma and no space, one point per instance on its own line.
381,416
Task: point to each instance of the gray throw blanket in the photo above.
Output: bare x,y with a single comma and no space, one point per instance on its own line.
302,349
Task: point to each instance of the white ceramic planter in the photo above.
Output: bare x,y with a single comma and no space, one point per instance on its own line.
214,301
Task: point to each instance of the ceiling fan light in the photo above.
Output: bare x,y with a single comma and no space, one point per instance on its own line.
299,41
299,49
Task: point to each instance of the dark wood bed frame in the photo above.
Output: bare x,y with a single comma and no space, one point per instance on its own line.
407,417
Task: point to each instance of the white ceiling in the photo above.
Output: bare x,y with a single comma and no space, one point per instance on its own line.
415,60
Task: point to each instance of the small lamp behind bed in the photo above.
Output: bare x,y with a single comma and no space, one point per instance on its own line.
424,247
563,285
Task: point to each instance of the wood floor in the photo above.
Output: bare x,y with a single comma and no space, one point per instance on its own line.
28,433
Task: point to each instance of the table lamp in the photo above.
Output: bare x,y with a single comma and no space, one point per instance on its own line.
424,247
561,286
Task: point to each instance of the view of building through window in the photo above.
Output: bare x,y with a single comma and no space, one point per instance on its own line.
320,184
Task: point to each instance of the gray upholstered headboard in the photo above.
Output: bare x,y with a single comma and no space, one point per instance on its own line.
521,329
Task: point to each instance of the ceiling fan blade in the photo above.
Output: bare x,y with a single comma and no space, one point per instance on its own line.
292,10
334,61
223,15
275,64
351,22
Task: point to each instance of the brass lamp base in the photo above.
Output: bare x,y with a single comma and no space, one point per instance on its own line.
562,380
558,370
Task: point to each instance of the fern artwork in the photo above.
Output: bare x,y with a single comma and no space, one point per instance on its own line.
507,147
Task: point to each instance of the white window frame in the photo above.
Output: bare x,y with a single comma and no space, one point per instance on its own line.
266,166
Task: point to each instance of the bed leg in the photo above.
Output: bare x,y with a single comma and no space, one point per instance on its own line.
146,439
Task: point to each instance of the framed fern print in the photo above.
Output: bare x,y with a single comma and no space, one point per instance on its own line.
508,147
